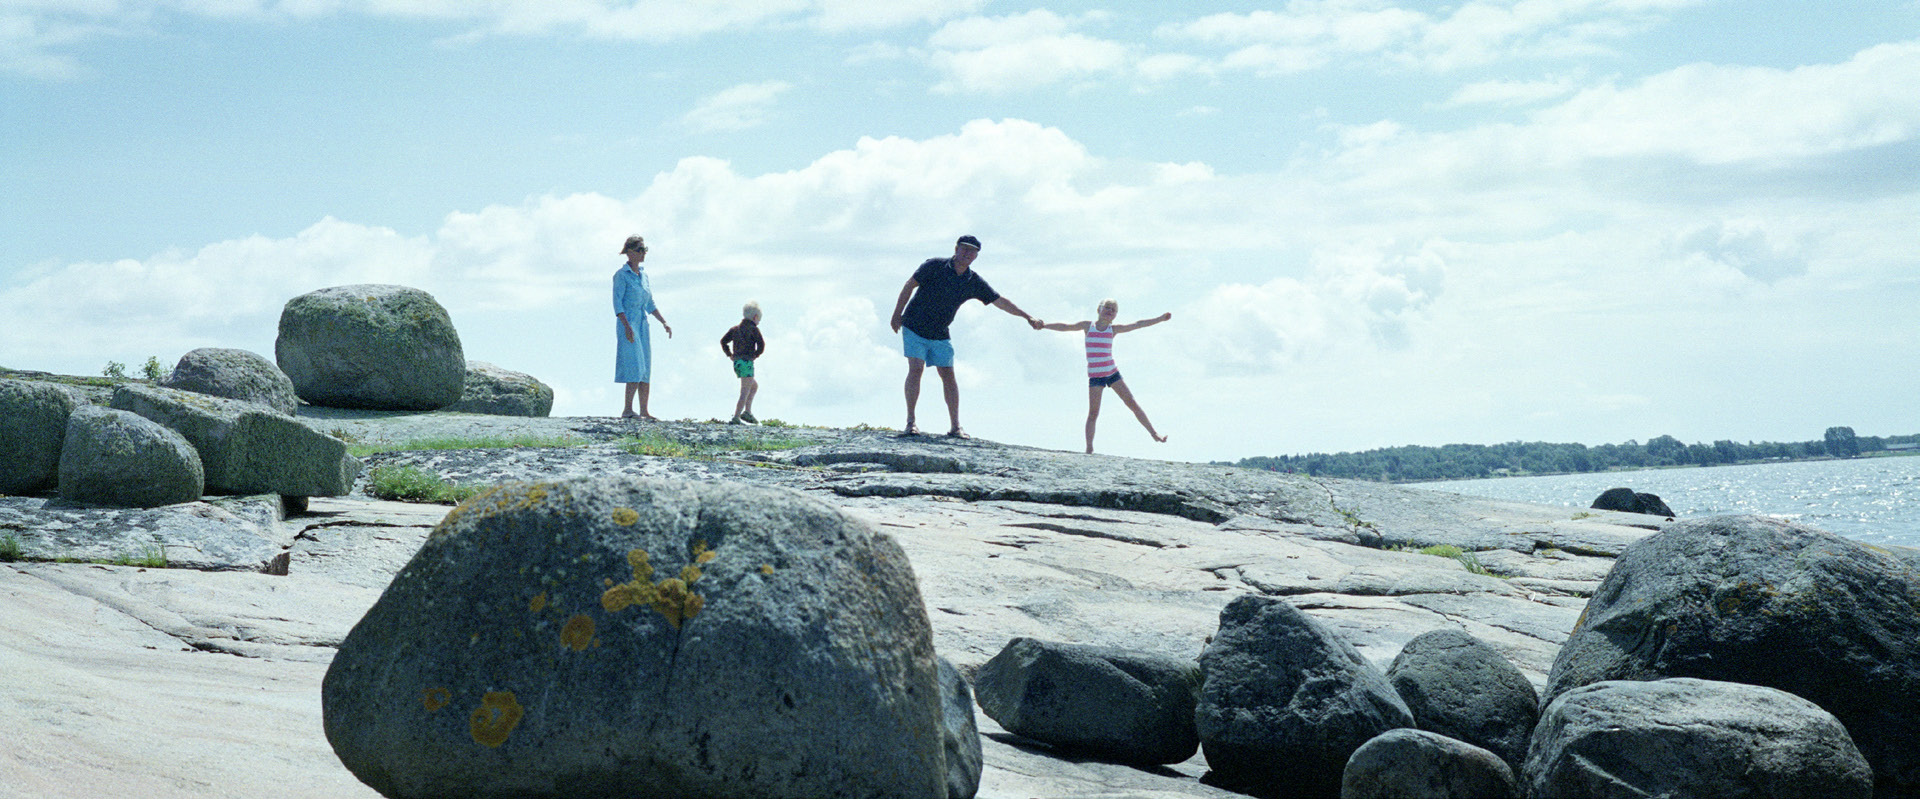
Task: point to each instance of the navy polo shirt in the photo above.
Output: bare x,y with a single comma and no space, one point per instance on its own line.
939,297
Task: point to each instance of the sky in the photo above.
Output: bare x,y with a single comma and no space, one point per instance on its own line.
1375,223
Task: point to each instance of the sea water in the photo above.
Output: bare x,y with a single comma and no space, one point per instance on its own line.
1876,500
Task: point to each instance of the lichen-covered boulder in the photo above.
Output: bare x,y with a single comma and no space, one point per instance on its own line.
959,732
33,425
1461,688
1687,737
491,389
246,447
1760,601
1127,707
1284,701
639,638
1417,764
234,374
112,457
371,346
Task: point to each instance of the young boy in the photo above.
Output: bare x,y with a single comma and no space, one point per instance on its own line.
1101,371
743,343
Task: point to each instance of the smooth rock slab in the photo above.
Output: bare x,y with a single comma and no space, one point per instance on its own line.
637,638
215,534
1687,737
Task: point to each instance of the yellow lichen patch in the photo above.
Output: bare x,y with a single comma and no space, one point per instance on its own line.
766,568
625,517
578,634
435,698
538,603
494,719
672,597
701,554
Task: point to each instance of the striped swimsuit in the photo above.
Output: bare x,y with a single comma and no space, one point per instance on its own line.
1100,352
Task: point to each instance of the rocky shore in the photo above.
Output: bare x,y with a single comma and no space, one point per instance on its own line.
203,678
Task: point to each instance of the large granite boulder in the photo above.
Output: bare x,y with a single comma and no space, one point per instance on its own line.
234,374
1764,602
113,457
371,346
491,389
1627,500
246,447
632,637
960,733
1687,737
1417,764
33,426
1127,707
1459,687
1284,701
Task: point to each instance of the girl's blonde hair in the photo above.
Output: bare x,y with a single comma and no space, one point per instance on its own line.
1108,303
750,311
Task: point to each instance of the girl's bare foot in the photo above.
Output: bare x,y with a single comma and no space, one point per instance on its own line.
1160,438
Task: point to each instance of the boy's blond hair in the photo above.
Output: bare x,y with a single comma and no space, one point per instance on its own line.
1107,303
750,311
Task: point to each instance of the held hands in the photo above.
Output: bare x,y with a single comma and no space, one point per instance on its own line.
1035,321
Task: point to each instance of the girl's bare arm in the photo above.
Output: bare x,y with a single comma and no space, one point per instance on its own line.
1143,323
1071,326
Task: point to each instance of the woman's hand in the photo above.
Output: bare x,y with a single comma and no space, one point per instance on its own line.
629,329
666,327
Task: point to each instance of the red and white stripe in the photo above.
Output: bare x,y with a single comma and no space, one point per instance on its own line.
1100,352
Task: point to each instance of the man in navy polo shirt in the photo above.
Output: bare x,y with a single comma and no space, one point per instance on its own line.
926,307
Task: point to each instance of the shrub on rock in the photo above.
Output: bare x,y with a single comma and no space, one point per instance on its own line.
1764,602
112,457
371,346
1417,764
491,389
33,426
234,374
1128,707
1687,737
1285,701
1461,688
641,638
246,447
959,733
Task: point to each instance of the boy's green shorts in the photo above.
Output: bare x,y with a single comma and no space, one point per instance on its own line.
742,367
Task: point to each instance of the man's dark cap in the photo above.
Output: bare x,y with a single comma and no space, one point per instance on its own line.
969,241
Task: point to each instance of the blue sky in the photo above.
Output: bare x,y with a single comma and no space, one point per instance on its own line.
1375,223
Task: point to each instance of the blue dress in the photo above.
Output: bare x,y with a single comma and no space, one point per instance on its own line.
633,296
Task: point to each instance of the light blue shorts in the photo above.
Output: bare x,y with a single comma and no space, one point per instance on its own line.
936,352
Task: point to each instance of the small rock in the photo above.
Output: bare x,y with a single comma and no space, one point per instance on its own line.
1626,500
1417,764
234,374
960,733
114,457
493,390
33,426
1285,702
1687,737
1128,707
1461,688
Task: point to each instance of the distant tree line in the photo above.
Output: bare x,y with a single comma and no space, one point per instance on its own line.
1465,461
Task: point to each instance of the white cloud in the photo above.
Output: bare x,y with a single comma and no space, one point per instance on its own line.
736,108
1510,92
997,54
1309,34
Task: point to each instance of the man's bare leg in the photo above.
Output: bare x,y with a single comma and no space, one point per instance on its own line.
915,369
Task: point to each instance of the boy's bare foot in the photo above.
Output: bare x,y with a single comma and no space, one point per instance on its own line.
1160,438
628,414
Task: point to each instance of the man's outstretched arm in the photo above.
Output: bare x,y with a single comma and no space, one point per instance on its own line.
1007,305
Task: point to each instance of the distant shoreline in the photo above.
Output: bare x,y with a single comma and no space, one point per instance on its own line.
1861,456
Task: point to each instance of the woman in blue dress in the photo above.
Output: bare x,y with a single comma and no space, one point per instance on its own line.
633,349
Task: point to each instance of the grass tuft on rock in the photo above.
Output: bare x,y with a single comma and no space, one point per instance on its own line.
413,484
